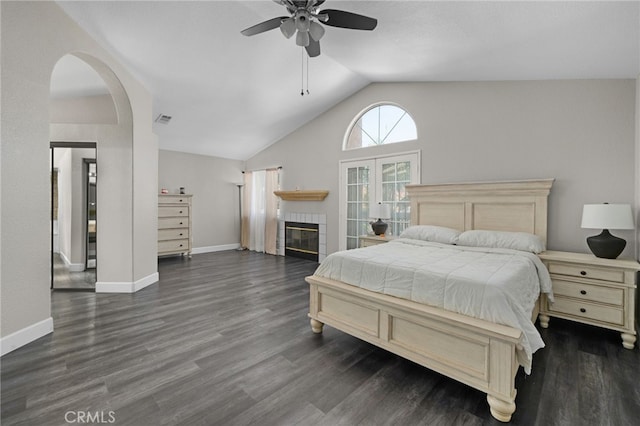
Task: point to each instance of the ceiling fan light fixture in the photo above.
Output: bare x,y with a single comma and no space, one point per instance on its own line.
303,20
316,31
302,38
288,27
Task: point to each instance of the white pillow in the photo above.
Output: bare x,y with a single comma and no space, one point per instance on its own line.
522,241
437,234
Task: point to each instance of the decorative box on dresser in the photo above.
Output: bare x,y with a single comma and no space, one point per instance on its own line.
592,290
174,224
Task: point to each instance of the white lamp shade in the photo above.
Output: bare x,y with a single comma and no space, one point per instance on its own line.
380,211
607,216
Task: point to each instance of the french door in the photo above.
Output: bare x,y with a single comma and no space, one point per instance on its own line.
366,182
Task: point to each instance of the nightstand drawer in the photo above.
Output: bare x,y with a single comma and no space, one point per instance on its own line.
576,308
373,240
583,271
611,296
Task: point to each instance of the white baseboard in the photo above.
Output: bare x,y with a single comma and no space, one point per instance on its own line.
127,287
146,281
27,335
72,267
211,249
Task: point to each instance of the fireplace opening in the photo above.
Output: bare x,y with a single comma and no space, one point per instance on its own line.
301,240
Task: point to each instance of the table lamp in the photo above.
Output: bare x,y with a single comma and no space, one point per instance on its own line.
606,216
380,211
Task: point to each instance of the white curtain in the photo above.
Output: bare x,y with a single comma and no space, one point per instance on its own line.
259,221
257,213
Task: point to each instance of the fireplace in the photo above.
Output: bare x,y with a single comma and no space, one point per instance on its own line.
309,220
301,240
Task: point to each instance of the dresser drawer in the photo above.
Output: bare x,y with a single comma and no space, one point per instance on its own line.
594,293
173,199
173,245
169,211
587,310
173,222
583,271
173,234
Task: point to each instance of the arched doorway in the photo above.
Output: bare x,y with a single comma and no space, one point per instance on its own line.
89,107
78,96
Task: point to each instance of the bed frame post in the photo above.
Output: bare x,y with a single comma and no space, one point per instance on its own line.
500,409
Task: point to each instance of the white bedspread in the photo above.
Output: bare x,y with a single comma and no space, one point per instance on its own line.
497,285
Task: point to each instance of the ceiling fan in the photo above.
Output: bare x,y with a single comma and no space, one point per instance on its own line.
304,19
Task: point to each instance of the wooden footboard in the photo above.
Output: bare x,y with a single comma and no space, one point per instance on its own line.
478,353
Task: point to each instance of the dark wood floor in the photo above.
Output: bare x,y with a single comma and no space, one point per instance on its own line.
224,339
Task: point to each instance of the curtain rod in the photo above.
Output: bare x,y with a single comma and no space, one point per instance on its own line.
269,169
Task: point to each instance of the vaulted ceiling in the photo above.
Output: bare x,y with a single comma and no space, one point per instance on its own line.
232,96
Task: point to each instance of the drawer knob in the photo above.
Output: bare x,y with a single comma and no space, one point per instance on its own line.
181,212
581,291
180,245
181,236
583,310
180,200
583,272
180,223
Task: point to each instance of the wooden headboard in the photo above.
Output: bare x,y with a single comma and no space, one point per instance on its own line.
501,206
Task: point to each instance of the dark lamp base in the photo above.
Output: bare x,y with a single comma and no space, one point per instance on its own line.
605,245
379,227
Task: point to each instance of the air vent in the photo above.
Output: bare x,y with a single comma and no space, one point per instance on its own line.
163,119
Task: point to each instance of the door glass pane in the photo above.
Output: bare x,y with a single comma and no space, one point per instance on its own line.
357,204
394,178
367,182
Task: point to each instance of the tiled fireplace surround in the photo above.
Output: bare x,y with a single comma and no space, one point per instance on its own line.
317,218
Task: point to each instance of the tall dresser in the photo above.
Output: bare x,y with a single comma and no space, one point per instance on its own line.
174,224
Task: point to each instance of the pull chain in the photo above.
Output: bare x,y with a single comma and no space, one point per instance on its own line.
307,74
302,91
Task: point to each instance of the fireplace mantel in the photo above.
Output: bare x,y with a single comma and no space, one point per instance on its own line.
303,195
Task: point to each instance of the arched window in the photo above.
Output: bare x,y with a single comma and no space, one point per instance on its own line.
379,125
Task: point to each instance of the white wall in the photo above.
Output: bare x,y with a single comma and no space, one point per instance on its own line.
35,35
212,182
580,132
62,160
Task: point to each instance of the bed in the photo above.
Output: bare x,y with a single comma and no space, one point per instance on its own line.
478,352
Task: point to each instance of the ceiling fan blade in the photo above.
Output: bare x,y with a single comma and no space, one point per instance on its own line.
313,49
342,19
264,26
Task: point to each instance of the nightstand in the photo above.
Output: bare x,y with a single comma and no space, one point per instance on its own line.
372,240
592,290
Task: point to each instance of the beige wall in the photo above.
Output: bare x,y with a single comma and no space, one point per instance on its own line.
579,132
212,182
637,177
98,109
34,36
